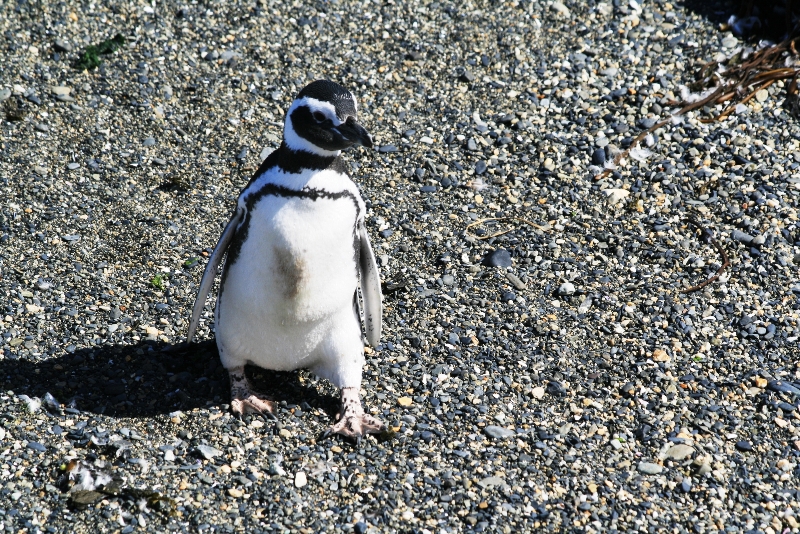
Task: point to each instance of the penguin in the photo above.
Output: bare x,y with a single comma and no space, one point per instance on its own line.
296,254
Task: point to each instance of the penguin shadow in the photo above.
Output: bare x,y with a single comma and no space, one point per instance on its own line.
152,378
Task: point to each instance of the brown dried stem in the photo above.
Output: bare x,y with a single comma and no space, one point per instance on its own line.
481,221
725,262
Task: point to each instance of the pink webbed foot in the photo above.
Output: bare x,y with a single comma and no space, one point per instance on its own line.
351,420
245,400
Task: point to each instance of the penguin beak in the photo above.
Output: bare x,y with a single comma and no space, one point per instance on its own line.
355,133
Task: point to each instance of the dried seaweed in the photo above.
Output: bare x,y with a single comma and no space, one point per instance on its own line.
737,80
725,262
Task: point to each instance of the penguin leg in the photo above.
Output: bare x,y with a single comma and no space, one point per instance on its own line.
351,420
244,399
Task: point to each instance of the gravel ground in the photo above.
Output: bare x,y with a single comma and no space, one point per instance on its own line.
550,377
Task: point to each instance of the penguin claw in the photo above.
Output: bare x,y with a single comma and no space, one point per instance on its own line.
253,404
244,399
356,427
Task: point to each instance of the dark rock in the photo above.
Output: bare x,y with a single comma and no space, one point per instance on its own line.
498,258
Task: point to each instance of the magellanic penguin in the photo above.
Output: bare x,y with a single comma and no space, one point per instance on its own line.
297,250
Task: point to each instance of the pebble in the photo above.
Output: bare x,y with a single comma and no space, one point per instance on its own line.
498,258
36,446
61,45
560,8
599,157
498,432
744,445
300,479
566,289
738,235
730,42
649,468
208,452
679,452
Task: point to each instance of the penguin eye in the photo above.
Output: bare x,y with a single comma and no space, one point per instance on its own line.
318,116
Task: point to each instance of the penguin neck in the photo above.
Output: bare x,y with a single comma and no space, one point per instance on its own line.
296,161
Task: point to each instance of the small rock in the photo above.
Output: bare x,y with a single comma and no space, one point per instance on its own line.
679,452
208,452
4,94
615,196
36,446
560,8
650,468
490,482
566,289
235,492
730,42
498,258
599,157
762,95
498,432
738,235
744,445
515,281
480,167
72,166
404,401
646,123
537,392
41,171
60,45
300,479
660,355
61,90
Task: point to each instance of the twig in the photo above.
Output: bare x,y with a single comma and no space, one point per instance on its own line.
481,221
745,100
627,151
725,262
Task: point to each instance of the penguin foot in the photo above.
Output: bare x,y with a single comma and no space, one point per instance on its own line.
244,399
351,421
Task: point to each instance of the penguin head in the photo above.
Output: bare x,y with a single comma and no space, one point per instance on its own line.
322,120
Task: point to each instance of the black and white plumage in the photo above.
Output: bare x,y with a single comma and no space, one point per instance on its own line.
297,249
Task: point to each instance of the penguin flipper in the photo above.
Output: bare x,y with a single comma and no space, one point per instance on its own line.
370,288
211,271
